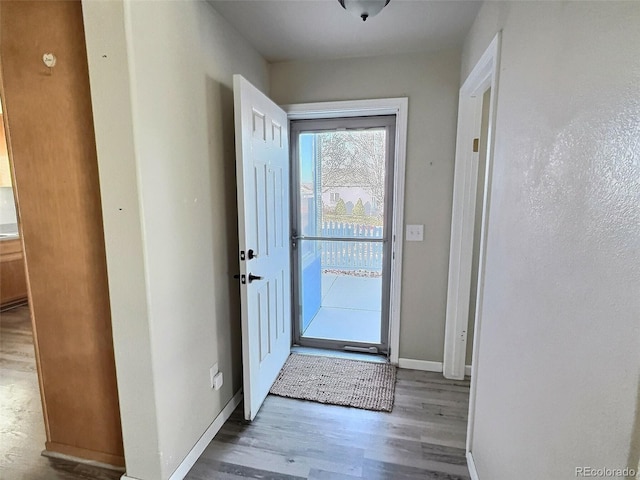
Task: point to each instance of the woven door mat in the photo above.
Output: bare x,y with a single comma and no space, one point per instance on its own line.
337,381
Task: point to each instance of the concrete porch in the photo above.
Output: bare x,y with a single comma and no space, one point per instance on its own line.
350,309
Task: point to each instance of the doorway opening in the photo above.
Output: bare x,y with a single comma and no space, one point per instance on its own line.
342,212
471,206
263,166
469,223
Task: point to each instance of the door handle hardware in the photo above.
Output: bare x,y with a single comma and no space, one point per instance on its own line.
251,254
253,277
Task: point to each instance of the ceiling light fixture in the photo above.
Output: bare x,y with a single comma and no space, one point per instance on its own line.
364,8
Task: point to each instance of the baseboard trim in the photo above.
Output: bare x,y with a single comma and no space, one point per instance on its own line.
204,440
84,456
420,365
472,467
15,303
84,461
467,370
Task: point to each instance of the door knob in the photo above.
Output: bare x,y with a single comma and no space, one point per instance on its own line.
251,254
253,277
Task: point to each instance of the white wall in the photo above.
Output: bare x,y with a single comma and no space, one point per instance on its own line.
161,79
559,349
431,83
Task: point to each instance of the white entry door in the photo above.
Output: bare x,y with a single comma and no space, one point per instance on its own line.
262,165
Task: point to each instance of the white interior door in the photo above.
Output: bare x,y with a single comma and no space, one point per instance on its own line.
262,164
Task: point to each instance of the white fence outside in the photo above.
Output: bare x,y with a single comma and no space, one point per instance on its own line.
343,255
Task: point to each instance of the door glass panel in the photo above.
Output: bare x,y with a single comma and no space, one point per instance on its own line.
340,301
341,221
342,183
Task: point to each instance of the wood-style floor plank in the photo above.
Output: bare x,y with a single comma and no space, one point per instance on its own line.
423,438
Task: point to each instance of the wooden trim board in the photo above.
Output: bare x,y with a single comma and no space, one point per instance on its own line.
423,365
471,465
427,366
86,457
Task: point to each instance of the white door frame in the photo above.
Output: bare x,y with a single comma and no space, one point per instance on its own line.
358,108
483,76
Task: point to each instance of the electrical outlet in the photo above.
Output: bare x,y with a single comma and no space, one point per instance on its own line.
213,371
415,233
217,381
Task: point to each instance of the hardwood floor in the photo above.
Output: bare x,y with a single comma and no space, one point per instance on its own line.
22,433
423,438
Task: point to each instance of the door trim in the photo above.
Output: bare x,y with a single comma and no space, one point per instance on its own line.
358,108
484,75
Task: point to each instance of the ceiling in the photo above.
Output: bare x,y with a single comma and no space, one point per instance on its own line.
283,30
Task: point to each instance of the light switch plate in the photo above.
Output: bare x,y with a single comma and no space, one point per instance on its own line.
414,233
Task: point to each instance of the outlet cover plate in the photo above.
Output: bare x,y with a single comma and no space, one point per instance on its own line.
217,381
213,371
